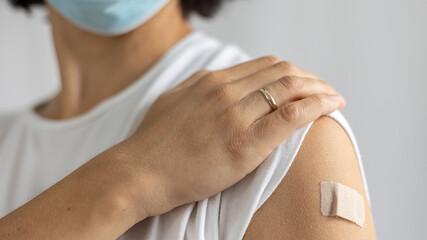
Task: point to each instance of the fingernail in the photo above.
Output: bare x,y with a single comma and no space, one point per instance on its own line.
336,97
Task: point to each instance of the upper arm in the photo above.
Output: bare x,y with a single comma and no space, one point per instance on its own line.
293,210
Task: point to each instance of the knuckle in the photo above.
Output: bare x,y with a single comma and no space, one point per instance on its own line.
214,77
270,59
320,100
209,77
292,82
222,93
199,77
236,143
291,112
285,66
292,66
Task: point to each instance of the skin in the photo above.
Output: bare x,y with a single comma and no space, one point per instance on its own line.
220,112
293,210
87,61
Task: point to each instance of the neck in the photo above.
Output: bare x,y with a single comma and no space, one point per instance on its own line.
94,67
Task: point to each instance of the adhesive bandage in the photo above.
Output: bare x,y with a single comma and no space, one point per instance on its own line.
342,201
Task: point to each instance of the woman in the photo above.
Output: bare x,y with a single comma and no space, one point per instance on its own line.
143,164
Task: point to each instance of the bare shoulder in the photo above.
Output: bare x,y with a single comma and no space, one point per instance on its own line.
293,210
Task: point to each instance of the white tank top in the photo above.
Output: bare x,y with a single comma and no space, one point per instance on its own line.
35,152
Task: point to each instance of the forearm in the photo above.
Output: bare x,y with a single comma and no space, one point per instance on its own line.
97,201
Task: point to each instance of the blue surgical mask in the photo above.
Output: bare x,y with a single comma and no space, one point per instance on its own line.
108,17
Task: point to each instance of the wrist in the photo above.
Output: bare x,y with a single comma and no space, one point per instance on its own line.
144,187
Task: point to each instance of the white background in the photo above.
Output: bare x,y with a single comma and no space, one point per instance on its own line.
373,52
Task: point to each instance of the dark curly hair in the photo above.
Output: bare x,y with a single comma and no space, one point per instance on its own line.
205,8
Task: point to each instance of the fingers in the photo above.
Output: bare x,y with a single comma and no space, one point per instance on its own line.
261,78
247,68
251,74
279,125
191,80
284,90
210,79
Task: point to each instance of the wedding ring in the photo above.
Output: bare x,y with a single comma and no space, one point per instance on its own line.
269,98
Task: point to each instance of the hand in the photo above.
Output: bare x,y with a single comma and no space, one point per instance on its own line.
209,132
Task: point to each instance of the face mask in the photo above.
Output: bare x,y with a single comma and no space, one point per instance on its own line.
108,17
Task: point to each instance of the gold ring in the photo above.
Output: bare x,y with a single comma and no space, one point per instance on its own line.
269,98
